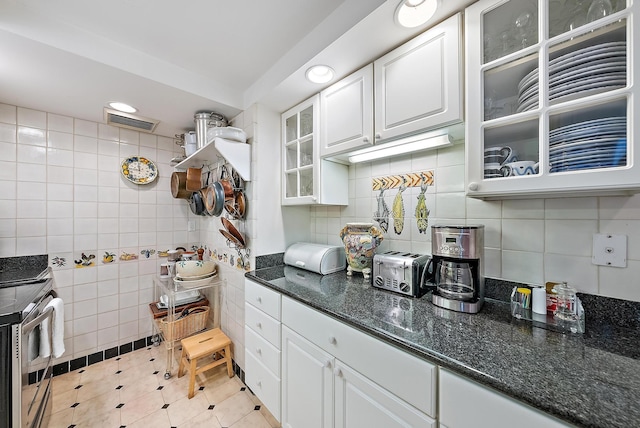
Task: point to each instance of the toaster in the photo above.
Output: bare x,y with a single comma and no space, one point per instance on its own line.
401,272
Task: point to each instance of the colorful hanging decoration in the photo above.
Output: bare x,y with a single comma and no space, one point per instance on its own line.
381,216
422,212
398,210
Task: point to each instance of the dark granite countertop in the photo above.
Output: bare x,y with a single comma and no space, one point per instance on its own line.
590,379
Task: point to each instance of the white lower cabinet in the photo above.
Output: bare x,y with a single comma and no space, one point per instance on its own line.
307,383
360,402
464,404
262,345
336,376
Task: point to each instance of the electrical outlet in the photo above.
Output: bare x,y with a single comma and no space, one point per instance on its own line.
610,250
191,226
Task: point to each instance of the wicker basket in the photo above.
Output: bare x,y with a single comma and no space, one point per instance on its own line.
183,327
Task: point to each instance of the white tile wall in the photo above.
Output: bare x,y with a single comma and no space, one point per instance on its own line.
530,241
63,195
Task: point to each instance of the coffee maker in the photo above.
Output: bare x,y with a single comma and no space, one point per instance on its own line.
457,267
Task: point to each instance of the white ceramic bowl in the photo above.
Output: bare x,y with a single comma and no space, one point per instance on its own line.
189,268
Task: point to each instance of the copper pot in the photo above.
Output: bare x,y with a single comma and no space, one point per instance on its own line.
194,179
237,206
178,185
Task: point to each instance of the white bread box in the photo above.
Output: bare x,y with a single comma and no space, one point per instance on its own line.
318,258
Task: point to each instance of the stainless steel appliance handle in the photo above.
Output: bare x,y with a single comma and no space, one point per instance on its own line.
28,327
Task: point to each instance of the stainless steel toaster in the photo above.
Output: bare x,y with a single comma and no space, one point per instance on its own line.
400,272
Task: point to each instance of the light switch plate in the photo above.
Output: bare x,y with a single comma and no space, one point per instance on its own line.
610,250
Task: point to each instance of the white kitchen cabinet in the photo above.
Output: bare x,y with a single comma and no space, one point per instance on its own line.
369,386
346,117
418,86
464,404
550,95
307,179
262,345
307,383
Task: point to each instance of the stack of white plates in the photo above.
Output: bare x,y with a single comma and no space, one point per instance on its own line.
598,143
194,281
585,72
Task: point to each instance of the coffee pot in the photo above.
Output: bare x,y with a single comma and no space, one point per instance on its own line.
457,267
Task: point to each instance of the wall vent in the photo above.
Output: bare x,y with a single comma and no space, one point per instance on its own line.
129,121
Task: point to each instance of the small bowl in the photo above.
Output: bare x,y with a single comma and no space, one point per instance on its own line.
189,268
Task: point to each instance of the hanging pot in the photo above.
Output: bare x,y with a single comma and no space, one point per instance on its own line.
196,203
178,185
237,206
226,183
194,179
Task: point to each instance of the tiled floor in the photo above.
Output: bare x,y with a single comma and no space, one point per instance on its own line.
130,391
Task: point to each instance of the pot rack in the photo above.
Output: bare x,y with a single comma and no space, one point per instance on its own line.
237,154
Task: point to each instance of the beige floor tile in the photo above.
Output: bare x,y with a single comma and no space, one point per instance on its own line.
63,400
177,389
205,419
98,387
185,409
140,407
66,381
61,419
138,387
157,419
220,389
98,371
233,409
105,403
252,420
108,419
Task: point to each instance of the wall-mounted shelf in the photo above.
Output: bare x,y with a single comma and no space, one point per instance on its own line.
236,153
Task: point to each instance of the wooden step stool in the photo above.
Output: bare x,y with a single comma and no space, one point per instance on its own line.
202,345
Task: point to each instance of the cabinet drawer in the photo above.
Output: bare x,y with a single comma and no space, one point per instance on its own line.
262,350
264,384
262,298
262,324
384,364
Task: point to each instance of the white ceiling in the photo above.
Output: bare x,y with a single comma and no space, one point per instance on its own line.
171,58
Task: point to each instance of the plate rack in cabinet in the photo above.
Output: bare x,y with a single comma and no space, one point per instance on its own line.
552,114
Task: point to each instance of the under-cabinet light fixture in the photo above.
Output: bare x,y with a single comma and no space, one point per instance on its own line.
126,108
320,74
413,13
402,146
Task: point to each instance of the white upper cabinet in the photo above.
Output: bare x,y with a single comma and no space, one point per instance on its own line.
550,98
418,86
346,116
307,179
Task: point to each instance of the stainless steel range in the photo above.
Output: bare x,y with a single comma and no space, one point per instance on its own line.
25,375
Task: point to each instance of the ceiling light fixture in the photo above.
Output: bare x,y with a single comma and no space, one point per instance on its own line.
413,13
126,108
320,74
402,146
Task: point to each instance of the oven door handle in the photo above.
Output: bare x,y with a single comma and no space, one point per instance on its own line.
28,327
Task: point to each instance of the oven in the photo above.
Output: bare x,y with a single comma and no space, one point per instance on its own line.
25,374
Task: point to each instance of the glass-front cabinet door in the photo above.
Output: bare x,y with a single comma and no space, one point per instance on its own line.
550,87
300,125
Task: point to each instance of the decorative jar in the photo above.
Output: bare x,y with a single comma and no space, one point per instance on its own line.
360,243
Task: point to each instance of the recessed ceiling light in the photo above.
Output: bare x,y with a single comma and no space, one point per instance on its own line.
123,107
320,74
413,13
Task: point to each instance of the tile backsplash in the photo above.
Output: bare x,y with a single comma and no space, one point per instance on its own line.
530,241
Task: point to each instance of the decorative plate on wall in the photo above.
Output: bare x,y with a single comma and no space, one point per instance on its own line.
139,170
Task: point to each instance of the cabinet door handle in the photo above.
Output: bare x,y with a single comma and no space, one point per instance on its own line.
259,299
328,364
259,324
259,351
332,340
337,372
365,139
259,383
378,136
473,186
